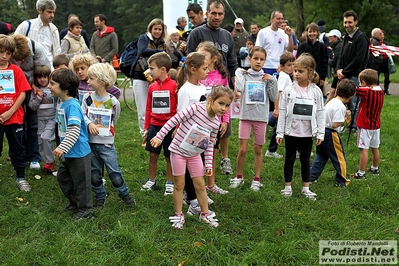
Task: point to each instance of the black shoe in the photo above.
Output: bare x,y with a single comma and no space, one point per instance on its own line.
374,171
99,203
128,200
70,207
358,176
87,215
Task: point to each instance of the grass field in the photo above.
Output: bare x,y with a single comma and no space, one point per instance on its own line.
255,228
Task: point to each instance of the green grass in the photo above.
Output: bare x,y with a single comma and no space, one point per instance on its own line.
255,228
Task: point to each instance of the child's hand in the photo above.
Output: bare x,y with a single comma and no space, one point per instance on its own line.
319,141
155,142
58,153
34,89
266,77
279,140
223,128
93,130
237,94
39,93
5,116
208,172
174,133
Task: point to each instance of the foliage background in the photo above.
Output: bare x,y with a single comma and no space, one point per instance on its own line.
130,18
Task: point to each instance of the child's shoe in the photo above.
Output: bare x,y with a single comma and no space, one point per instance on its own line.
23,185
177,221
256,185
209,218
168,189
34,165
374,171
99,204
128,200
149,185
217,190
358,176
225,165
194,210
235,182
309,194
286,192
49,167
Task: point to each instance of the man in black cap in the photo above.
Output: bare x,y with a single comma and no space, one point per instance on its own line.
322,28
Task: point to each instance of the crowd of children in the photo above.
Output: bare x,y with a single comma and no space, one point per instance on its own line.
77,104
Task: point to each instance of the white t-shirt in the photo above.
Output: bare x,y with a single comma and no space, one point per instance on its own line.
275,43
283,81
334,111
46,40
189,94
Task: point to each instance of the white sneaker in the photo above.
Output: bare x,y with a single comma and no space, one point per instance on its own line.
273,155
34,165
168,189
286,192
177,221
149,185
235,182
209,219
217,190
309,194
194,210
210,201
256,185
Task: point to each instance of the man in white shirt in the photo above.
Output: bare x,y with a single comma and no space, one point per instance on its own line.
41,29
275,41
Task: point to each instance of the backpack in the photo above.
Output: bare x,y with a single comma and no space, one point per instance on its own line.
129,57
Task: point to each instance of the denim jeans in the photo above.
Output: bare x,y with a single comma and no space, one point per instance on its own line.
354,104
105,154
273,123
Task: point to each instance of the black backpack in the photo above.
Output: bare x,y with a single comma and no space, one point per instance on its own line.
129,57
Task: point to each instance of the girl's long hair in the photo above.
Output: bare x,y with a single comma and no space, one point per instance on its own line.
211,48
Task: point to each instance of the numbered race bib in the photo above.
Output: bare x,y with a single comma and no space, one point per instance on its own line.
255,92
161,102
101,119
48,100
196,139
303,109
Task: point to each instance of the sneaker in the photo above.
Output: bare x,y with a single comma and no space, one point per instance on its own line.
225,165
87,215
49,167
374,171
185,200
55,173
358,176
309,194
313,182
209,218
273,155
34,165
168,189
70,207
99,203
256,185
23,185
235,182
128,200
150,185
194,210
286,192
177,221
217,190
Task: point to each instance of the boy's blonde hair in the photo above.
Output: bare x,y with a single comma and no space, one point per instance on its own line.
86,59
369,76
104,73
7,43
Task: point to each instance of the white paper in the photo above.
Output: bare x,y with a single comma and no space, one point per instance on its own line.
196,139
101,119
255,92
161,102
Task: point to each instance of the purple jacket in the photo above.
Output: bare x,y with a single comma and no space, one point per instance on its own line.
83,85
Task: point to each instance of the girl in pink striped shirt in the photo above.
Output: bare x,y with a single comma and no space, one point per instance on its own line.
196,134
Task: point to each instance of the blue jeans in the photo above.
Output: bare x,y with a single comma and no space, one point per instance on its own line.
105,154
273,123
352,106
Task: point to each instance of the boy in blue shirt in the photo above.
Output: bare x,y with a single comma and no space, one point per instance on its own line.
74,176
101,111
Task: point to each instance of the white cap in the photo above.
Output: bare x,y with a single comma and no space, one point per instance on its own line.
334,33
239,20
